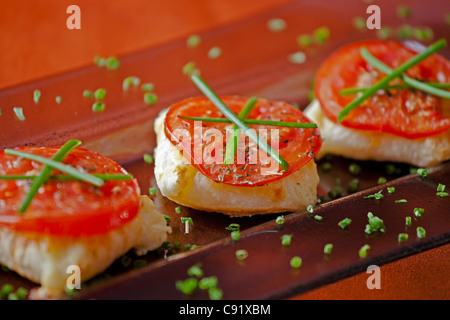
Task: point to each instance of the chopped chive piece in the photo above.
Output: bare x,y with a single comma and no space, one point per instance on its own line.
286,239
354,168
405,31
130,81
401,201
318,218
241,254
187,219
208,282
193,41
390,169
384,33
359,23
195,271
98,106
150,98
310,208
19,113
423,33
441,187
328,248
214,52
178,209
88,94
442,194
391,189
375,224
58,99
100,94
36,96
382,180
21,293
304,40
233,227
190,68
363,251
0,112
280,220
168,218
353,185
298,57
418,212
235,235
396,73
422,172
139,263
99,61
276,24
326,166
147,86
421,233
344,223
255,121
6,290
235,119
296,262
152,191
112,63
57,165
321,35
402,237
404,12
148,158
187,286
376,195
408,221
215,293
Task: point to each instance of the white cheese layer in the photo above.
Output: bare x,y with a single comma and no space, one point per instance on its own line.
181,182
378,146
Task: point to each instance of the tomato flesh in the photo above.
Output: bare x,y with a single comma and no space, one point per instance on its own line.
66,207
251,167
403,112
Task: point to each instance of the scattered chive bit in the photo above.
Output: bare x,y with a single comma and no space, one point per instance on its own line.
280,220
391,189
99,61
382,180
310,208
304,40
318,218
359,23
408,221
187,286
190,68
418,212
178,209
0,112
344,223
130,81
403,12
150,98
326,166
298,57
207,282
195,270
375,224
363,251
376,195
296,262
328,248
100,94
233,227
148,158
21,293
214,52
6,290
402,237
147,86
241,254
188,219
401,201
139,263
286,239
167,218
391,169
112,63
423,33
19,113
384,33
276,24
193,41
354,168
422,172
441,187
58,99
405,32
353,185
321,35
215,293
442,194
98,106
36,96
421,233
152,191
88,94
235,235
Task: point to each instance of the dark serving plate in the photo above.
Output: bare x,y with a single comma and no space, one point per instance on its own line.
254,61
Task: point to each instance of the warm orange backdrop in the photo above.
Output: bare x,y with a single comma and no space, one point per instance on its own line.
35,43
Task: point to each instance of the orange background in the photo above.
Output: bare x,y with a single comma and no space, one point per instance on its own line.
36,43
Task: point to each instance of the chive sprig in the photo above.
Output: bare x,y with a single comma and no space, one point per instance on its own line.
256,122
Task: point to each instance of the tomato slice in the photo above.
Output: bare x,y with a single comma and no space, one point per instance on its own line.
204,145
407,113
66,207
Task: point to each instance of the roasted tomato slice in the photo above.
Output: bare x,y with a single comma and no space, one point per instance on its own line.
204,143
66,207
407,113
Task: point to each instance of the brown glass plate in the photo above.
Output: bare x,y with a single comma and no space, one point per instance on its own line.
254,61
